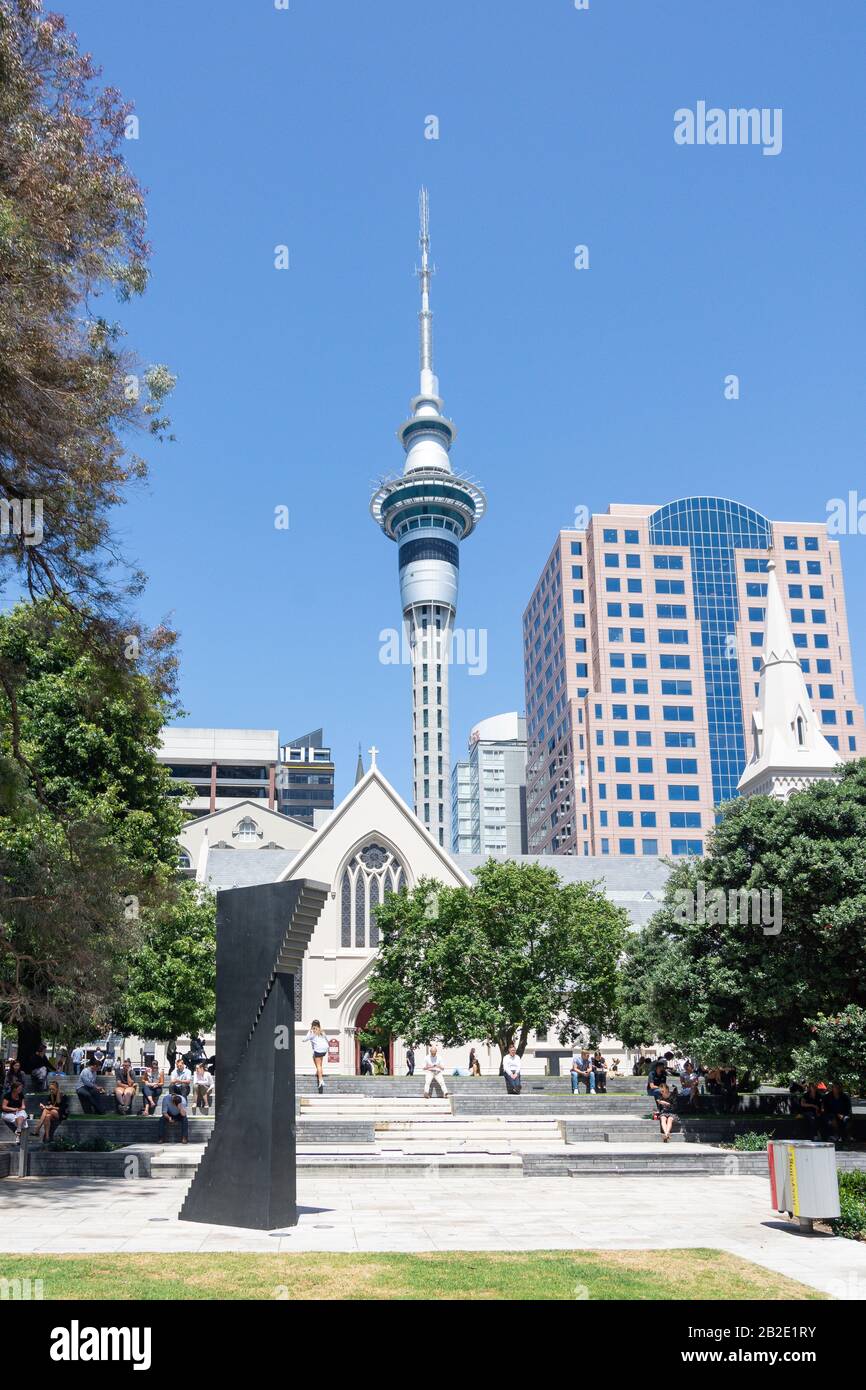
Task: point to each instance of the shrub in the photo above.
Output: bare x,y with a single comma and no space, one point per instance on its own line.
751,1143
852,1201
97,1144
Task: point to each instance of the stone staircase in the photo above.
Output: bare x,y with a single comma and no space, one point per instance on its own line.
418,1126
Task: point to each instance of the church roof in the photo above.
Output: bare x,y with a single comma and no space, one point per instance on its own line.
634,882
245,868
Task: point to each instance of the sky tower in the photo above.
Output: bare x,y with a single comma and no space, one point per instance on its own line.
428,510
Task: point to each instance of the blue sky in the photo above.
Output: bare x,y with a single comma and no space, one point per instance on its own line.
305,127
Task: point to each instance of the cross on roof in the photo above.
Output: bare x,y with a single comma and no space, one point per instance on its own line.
373,752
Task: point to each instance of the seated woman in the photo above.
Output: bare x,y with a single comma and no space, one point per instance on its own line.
53,1111
599,1066
151,1087
12,1108
124,1088
666,1102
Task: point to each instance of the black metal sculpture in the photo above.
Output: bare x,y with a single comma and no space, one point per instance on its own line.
247,1175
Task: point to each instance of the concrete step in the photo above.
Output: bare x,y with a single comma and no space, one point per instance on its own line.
182,1164
614,1159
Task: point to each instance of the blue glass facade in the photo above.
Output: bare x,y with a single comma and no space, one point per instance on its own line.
714,528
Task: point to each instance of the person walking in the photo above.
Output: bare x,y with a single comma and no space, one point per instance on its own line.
410,1060
511,1071
77,1060
434,1071
319,1044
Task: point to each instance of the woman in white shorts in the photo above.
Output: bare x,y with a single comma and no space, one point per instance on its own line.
320,1051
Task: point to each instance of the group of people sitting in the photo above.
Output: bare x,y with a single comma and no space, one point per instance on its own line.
671,1101
826,1110
590,1071
167,1092
183,1081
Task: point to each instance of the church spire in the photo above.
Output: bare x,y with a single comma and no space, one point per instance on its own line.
359,770
788,749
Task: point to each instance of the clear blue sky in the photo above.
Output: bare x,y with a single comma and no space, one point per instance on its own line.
306,127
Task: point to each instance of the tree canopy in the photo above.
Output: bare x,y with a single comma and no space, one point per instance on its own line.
514,953
87,825
72,229
749,993
171,987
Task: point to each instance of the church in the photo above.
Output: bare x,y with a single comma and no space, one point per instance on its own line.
373,844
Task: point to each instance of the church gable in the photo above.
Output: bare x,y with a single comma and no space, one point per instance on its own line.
374,820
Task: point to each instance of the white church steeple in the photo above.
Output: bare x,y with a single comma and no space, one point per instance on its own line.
788,749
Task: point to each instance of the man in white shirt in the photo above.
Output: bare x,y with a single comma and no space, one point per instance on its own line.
434,1070
180,1078
511,1071
77,1060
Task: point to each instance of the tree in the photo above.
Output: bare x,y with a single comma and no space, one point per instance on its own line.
72,228
171,987
516,952
87,825
835,1050
744,992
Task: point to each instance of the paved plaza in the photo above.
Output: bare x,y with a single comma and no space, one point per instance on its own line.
602,1212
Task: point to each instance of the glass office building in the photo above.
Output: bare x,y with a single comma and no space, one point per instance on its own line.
643,641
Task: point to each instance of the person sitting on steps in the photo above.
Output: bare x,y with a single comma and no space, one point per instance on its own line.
173,1112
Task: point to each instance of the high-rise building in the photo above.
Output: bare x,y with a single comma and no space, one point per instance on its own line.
223,765
428,510
305,781
488,790
643,646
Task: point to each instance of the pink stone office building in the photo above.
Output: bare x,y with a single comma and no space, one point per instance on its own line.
642,645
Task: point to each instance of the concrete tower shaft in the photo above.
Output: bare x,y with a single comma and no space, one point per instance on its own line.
428,510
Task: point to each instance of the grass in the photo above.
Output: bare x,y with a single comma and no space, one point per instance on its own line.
645,1275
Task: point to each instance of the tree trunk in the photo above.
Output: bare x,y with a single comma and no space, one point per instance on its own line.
29,1038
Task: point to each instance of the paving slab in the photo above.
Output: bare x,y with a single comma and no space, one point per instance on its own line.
454,1213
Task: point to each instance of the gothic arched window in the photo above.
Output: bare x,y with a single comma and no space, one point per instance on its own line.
370,875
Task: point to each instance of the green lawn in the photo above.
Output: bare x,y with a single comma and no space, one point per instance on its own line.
543,1274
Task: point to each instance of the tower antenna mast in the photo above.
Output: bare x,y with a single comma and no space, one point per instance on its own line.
429,385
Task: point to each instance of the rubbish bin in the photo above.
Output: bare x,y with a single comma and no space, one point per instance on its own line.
803,1180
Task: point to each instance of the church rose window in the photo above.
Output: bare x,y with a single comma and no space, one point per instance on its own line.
371,874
